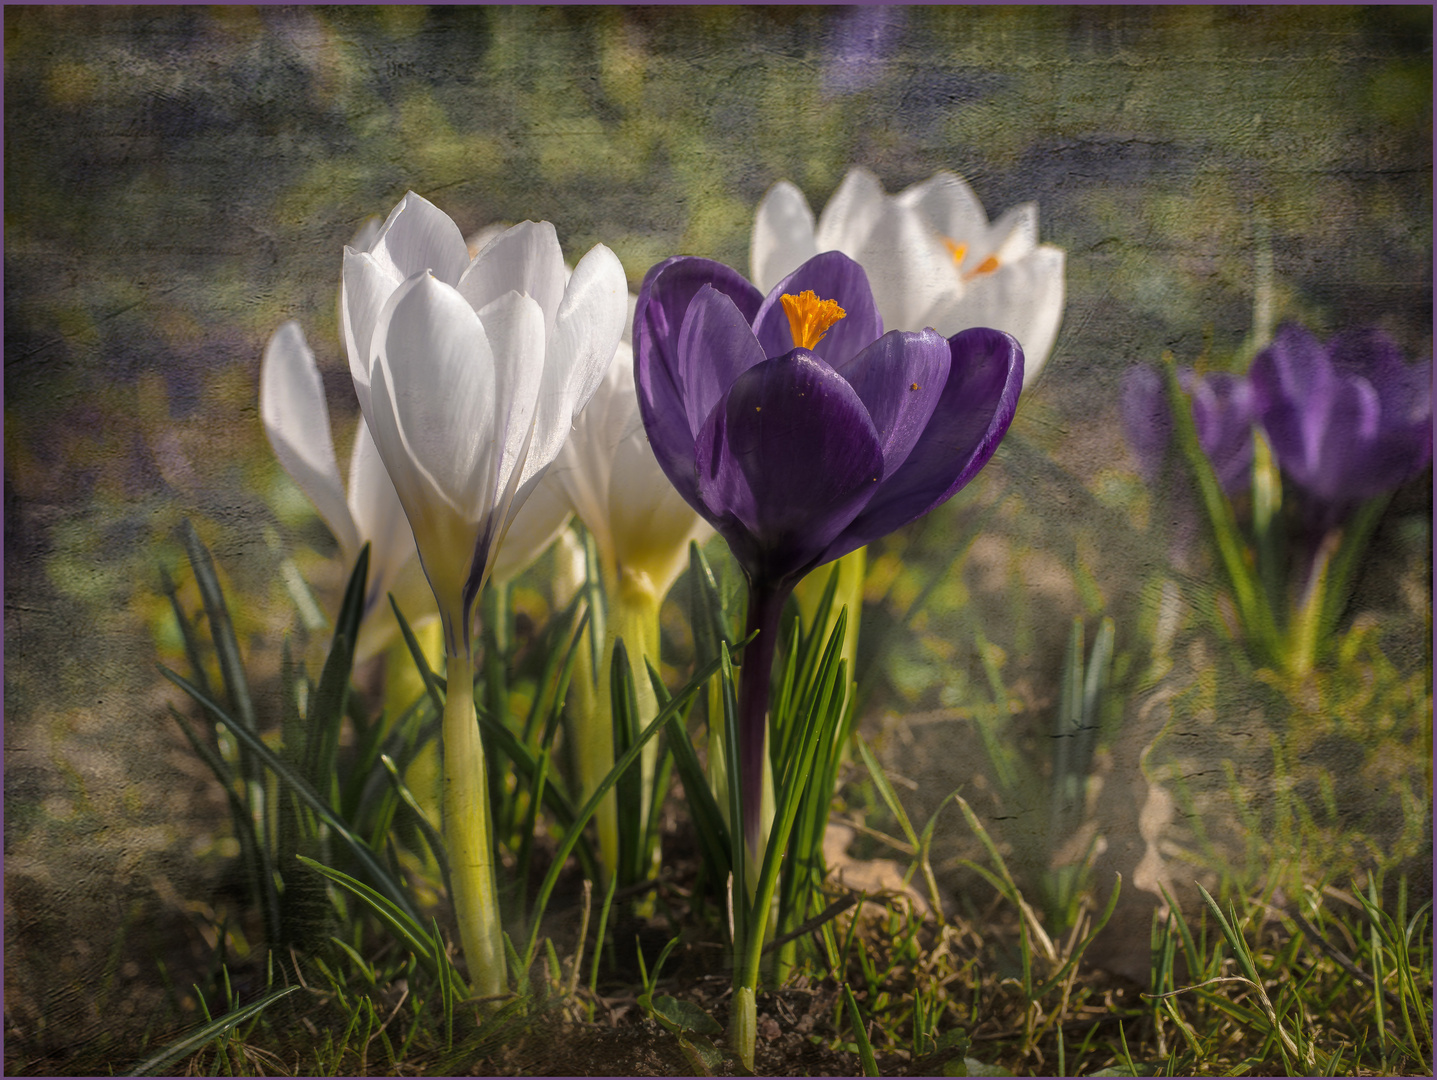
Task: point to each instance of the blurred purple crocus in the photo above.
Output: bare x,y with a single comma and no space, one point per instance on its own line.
1223,409
1348,420
801,431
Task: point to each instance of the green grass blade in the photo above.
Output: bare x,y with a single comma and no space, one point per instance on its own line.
326,711
433,684
222,631
215,1028
860,1034
571,837
408,930
362,851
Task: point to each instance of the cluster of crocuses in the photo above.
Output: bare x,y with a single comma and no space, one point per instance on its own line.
499,393
1311,441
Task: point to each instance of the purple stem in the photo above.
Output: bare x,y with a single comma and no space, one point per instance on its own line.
765,606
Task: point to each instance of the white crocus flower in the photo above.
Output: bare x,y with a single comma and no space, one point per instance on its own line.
641,527
470,373
296,420
932,258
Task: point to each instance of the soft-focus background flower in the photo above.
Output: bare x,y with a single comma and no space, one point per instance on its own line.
181,181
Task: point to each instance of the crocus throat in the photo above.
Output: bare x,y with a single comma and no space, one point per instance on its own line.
809,317
958,251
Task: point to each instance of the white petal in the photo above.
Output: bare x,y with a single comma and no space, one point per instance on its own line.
584,466
366,286
537,525
586,334
951,209
442,385
445,538
650,522
525,259
1024,298
514,325
296,419
419,236
851,214
1014,234
783,236
378,515
908,268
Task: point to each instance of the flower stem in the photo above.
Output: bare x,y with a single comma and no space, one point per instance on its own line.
765,607
466,833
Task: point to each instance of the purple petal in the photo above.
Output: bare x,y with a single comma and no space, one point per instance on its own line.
1147,421
1347,421
832,275
715,346
1294,390
664,298
900,379
1222,407
785,460
973,414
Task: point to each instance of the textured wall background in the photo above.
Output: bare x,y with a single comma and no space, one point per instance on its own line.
179,181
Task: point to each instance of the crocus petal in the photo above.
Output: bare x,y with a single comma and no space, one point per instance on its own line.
378,517
650,523
296,419
831,276
1222,408
1023,298
899,379
535,526
441,383
851,214
1295,387
909,268
664,297
948,204
444,536
366,286
418,236
973,414
783,235
525,259
797,411
586,333
1013,235
716,345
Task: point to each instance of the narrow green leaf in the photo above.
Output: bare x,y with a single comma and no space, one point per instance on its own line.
433,684
410,933
222,631
571,837
215,1028
361,850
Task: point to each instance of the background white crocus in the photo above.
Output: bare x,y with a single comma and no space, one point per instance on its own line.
930,253
641,528
933,260
470,374
296,420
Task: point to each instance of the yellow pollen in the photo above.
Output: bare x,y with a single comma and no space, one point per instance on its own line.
758,408
913,387
956,250
987,266
809,317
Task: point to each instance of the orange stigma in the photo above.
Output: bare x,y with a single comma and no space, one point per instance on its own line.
809,317
959,251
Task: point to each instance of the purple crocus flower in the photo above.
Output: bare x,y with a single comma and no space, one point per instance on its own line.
1223,413
801,431
1348,420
